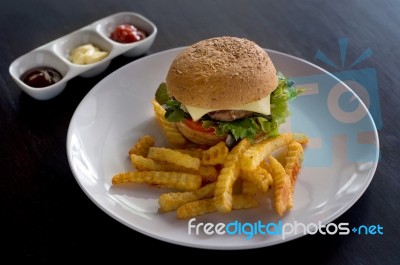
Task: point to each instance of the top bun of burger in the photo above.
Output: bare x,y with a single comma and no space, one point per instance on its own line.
221,73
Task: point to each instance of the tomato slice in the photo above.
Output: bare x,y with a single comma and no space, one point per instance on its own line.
197,126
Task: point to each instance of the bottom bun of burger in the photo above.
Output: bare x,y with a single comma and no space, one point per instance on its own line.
199,137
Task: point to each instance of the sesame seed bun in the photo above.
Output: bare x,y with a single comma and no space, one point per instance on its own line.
221,73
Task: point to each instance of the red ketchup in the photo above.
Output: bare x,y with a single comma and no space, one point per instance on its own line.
41,77
126,33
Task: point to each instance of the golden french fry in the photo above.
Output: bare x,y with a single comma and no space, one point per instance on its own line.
264,164
173,200
301,138
252,157
196,208
208,173
174,180
194,152
215,155
146,164
174,157
260,176
282,184
141,147
293,159
249,187
227,177
205,206
170,130
241,201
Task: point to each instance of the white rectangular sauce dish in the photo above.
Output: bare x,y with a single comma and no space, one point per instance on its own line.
57,54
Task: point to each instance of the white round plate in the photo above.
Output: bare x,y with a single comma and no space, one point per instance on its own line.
339,162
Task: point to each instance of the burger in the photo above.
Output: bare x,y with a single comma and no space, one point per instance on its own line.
225,89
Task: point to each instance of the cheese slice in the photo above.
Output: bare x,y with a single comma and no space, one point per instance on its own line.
262,106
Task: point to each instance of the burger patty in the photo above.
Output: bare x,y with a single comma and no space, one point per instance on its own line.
229,115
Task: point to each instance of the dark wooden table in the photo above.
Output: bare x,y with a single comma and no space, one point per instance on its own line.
44,214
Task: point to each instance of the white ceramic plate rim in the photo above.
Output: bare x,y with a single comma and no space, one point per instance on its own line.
111,203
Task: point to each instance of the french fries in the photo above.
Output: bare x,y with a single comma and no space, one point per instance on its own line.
294,158
173,157
205,206
283,187
249,187
228,176
215,155
301,138
253,156
142,146
174,180
173,200
203,181
208,173
195,152
260,176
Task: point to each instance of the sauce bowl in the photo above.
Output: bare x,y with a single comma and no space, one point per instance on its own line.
56,54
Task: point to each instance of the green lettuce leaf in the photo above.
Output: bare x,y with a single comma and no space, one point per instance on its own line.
243,128
162,94
174,112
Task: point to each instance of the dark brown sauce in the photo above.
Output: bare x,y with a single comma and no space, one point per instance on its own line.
41,77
